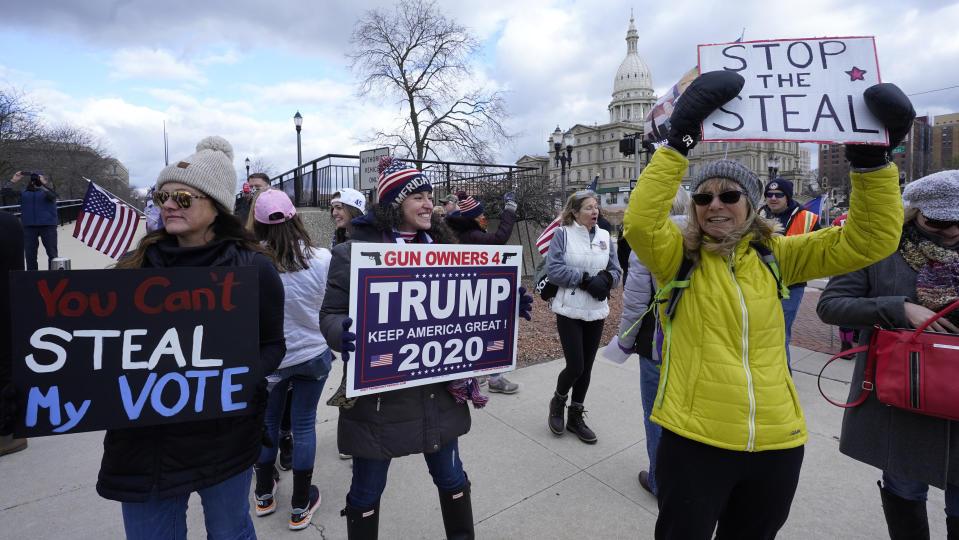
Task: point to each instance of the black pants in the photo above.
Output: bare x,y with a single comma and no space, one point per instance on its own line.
580,340
747,493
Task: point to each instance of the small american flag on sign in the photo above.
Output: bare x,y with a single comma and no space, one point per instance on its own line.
378,360
105,224
495,345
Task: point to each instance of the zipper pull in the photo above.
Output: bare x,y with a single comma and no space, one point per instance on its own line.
377,403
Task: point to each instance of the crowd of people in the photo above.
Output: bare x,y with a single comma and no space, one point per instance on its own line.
712,281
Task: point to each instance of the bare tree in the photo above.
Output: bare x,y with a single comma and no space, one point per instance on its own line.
422,58
18,123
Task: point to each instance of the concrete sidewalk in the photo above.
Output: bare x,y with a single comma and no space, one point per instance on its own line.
527,483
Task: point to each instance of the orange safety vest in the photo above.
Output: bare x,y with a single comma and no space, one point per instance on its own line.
801,223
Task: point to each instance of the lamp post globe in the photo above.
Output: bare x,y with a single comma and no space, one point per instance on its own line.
297,180
247,161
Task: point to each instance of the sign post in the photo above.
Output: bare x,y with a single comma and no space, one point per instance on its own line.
368,162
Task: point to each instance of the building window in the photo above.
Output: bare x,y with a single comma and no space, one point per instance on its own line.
692,169
589,155
579,175
604,173
579,156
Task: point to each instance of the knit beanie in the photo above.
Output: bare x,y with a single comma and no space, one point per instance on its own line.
210,170
470,207
735,171
781,184
936,195
397,181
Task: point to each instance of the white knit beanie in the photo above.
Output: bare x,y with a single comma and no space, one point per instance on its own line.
936,195
209,170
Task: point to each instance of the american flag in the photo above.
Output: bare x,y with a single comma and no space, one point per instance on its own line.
378,360
106,224
495,345
542,243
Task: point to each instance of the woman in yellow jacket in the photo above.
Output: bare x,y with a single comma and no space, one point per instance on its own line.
733,436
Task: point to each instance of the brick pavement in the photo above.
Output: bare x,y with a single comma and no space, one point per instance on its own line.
811,333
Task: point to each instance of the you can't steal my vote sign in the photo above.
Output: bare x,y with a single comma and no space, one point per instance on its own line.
796,90
97,349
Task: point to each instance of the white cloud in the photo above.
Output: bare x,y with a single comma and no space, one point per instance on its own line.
147,63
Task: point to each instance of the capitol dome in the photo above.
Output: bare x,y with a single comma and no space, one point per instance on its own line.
633,86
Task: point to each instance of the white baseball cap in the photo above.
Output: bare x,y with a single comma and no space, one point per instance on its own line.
350,197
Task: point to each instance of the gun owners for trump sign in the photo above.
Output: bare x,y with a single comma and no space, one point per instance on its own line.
796,90
102,349
429,313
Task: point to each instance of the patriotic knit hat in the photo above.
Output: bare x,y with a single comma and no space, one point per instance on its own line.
398,181
735,171
470,207
935,195
350,197
210,170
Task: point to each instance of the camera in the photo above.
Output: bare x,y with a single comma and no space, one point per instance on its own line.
35,179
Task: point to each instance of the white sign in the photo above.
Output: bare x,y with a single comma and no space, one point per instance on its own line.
796,90
368,172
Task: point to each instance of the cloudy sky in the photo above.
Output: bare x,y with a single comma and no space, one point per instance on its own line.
241,68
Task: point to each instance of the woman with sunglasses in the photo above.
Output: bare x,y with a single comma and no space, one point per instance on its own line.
303,269
733,430
904,290
153,470
582,262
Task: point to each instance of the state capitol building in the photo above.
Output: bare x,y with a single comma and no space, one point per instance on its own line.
595,148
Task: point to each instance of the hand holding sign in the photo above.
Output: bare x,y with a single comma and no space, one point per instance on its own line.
525,304
347,339
707,92
893,109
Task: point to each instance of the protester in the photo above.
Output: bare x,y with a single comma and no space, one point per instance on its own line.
780,206
303,270
345,206
450,203
422,419
904,290
637,333
153,470
242,207
469,225
582,263
38,215
258,181
732,443
847,336
11,259
440,212
151,213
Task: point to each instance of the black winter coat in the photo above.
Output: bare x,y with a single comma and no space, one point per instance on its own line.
176,459
390,424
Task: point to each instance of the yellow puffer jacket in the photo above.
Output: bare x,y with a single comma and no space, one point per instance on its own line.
727,382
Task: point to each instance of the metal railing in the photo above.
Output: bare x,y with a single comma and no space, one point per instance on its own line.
67,210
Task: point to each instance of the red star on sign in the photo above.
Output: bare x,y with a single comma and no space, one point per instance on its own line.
856,74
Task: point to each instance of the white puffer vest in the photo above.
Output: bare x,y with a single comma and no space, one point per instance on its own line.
587,256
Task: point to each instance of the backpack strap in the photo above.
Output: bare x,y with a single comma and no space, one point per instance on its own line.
769,258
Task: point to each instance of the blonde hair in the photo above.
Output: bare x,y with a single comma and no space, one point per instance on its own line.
761,228
680,203
575,203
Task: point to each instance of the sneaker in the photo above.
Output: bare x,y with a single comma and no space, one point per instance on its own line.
266,503
483,381
286,452
503,386
300,517
644,480
345,456
9,445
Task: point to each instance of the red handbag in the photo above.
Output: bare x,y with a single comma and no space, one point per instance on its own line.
915,370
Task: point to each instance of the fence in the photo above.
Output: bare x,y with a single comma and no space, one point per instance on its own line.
66,210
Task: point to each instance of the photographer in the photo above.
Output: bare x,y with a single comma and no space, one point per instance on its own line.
38,214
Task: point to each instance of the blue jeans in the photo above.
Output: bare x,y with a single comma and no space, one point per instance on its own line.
369,475
32,236
226,512
648,385
790,308
912,490
307,380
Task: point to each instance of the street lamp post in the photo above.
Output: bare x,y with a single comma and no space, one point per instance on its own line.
297,181
773,165
560,140
247,161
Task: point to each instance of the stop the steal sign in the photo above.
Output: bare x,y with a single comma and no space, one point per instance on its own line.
796,90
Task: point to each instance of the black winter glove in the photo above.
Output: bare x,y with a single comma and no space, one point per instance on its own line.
347,340
705,94
8,409
600,285
585,281
894,110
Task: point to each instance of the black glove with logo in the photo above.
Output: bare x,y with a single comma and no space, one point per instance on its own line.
894,110
599,286
705,94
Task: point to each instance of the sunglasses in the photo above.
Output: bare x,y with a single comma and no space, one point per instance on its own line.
775,195
940,224
726,197
183,199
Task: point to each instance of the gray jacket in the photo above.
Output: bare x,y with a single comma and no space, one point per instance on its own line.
894,440
637,295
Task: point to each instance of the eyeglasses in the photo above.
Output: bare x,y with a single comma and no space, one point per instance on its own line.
940,224
775,195
726,197
183,199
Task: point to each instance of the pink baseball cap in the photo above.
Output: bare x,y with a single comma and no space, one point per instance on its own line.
273,206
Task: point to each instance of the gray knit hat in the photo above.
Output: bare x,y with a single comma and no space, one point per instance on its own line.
735,171
210,170
936,195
